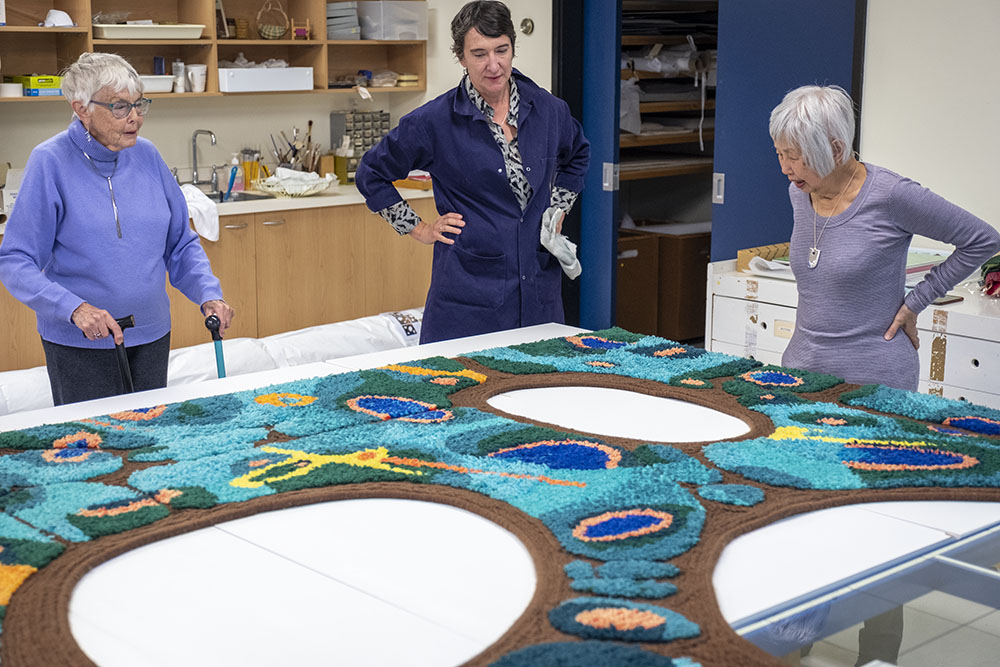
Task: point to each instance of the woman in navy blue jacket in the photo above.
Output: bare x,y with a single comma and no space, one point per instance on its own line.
503,153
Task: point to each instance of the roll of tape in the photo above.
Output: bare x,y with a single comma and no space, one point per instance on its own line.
11,90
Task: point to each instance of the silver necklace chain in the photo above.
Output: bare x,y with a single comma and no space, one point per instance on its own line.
814,251
111,188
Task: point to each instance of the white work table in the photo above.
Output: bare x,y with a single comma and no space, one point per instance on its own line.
395,582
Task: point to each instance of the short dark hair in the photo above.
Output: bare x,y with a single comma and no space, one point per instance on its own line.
490,17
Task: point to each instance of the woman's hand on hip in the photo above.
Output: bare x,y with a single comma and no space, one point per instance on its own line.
449,223
96,323
220,309
906,320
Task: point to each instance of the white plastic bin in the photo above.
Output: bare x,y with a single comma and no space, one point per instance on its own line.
257,79
392,19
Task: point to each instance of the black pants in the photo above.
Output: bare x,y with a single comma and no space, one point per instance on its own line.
82,374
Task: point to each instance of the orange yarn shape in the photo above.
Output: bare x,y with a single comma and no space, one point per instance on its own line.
619,618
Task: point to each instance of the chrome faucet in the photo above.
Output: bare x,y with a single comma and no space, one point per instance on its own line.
194,158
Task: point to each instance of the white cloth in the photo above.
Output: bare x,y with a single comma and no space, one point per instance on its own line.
203,212
296,183
561,247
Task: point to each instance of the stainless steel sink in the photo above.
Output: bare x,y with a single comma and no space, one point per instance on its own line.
244,196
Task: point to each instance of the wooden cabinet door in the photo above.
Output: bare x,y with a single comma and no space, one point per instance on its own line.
233,263
310,267
397,268
22,346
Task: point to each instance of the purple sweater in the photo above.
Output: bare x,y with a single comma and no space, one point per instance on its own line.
61,246
848,301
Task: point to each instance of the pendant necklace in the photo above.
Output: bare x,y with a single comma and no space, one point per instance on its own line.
111,188
814,250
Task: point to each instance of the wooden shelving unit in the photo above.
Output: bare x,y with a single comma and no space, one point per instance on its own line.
686,105
635,163
663,139
639,168
27,48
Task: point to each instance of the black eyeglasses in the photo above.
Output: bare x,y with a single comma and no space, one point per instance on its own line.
121,108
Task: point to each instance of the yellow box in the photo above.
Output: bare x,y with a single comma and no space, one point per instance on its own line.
36,81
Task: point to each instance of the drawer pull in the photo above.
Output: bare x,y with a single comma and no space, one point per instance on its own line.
241,226
272,223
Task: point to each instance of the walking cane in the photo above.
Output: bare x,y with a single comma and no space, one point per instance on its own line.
123,369
212,323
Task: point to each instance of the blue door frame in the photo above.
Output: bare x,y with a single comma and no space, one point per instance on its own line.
599,215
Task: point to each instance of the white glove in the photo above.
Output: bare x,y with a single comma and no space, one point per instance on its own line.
561,247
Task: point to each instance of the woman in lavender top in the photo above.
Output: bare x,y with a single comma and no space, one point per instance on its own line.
853,222
98,224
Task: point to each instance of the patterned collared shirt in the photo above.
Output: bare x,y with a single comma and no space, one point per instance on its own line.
403,218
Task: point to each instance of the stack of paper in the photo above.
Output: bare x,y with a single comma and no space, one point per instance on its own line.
342,20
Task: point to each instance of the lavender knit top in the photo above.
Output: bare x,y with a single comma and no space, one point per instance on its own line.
848,301
61,245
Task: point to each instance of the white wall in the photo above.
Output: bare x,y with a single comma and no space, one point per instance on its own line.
931,97
533,53
246,121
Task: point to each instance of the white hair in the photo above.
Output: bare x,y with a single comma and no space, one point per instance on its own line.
816,120
93,71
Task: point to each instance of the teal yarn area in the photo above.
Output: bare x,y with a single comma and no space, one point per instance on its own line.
623,582
54,508
950,413
610,352
828,446
631,588
637,569
732,494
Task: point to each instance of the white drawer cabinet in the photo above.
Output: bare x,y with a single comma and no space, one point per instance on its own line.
961,363
959,394
754,316
753,325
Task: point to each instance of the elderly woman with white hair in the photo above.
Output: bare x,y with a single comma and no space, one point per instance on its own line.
853,222
98,224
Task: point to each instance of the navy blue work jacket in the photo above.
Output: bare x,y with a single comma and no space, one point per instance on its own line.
497,275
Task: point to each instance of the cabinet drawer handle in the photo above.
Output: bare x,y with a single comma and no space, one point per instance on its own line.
242,226
272,223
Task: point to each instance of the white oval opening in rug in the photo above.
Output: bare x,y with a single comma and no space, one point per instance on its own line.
620,413
354,582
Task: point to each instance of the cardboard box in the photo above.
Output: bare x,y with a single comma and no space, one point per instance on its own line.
261,79
41,92
744,256
327,165
35,81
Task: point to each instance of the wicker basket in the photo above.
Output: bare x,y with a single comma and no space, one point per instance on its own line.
272,21
277,190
